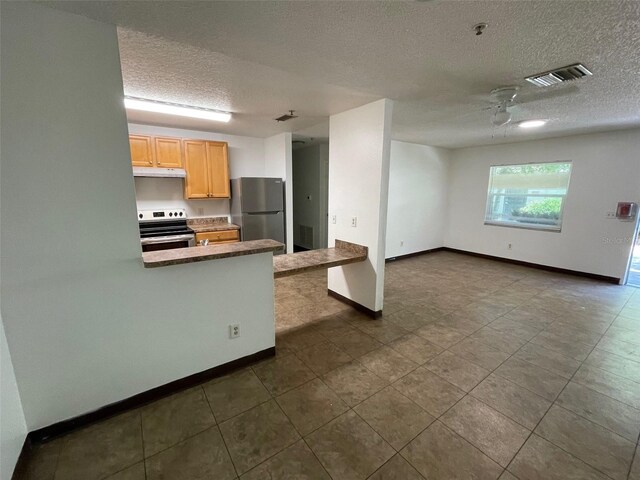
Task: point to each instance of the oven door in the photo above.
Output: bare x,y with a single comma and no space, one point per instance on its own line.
167,242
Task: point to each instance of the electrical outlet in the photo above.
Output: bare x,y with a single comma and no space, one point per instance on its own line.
354,221
234,331
611,215
333,219
200,211
509,246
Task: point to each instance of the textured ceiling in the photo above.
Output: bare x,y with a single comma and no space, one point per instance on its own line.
261,58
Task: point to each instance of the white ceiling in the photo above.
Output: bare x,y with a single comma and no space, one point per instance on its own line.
259,59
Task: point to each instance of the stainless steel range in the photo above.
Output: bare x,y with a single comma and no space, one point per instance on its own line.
164,229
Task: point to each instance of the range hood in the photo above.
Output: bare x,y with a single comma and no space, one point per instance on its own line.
159,172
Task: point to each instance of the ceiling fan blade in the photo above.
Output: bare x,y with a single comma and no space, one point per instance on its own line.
539,95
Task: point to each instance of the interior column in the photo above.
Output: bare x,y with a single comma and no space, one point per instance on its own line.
359,145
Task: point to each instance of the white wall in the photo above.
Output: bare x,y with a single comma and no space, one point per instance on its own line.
86,323
246,158
310,193
13,429
359,143
279,163
605,170
418,185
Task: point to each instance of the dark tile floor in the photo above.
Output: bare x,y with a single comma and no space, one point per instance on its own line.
478,370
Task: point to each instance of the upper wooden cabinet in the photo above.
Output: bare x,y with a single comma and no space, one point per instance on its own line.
141,150
196,184
218,162
207,166
147,151
168,152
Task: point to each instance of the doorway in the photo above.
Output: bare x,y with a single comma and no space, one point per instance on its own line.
310,193
632,277
633,273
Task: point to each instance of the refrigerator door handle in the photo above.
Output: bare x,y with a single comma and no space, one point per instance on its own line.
263,213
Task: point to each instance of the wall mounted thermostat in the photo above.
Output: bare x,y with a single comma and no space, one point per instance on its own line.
626,210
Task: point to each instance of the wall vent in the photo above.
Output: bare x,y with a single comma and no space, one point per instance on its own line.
306,236
559,75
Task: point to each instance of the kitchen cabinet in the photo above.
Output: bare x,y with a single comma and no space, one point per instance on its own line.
141,150
220,236
163,152
207,166
168,152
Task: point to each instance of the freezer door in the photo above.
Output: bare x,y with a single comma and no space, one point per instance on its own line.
261,226
262,194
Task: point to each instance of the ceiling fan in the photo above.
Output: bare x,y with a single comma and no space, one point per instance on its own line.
504,98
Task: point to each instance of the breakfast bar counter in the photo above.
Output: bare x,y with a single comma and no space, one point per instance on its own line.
343,253
177,256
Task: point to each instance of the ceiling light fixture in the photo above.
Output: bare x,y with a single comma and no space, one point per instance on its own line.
501,115
133,103
531,123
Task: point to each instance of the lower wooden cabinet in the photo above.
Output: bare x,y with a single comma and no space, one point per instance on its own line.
221,236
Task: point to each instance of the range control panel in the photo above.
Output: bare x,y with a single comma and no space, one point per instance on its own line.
159,215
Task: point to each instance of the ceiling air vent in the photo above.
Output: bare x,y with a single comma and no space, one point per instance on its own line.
560,75
287,116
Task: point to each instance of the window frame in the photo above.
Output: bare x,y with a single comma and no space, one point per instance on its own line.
528,226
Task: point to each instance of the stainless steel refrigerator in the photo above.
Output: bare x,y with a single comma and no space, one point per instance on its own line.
257,206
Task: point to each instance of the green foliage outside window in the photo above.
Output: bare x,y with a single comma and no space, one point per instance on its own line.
547,208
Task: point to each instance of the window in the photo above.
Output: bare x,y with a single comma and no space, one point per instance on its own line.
528,196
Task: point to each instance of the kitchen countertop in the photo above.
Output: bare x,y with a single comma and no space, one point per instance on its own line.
343,253
210,224
177,256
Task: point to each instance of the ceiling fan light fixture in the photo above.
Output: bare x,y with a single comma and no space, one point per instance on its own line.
501,117
133,103
531,123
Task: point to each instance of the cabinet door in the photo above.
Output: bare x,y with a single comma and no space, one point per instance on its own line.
196,185
141,151
168,152
221,236
217,154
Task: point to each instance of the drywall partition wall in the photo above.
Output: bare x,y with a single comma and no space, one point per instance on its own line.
418,184
278,163
246,158
310,196
605,171
359,142
87,324
13,429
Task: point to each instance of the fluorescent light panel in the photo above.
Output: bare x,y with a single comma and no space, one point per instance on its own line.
532,123
173,109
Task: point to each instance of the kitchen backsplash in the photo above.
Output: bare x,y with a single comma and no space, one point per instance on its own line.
156,193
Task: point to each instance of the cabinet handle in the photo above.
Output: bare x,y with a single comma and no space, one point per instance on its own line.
150,162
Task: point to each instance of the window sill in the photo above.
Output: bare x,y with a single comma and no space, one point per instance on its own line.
526,226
